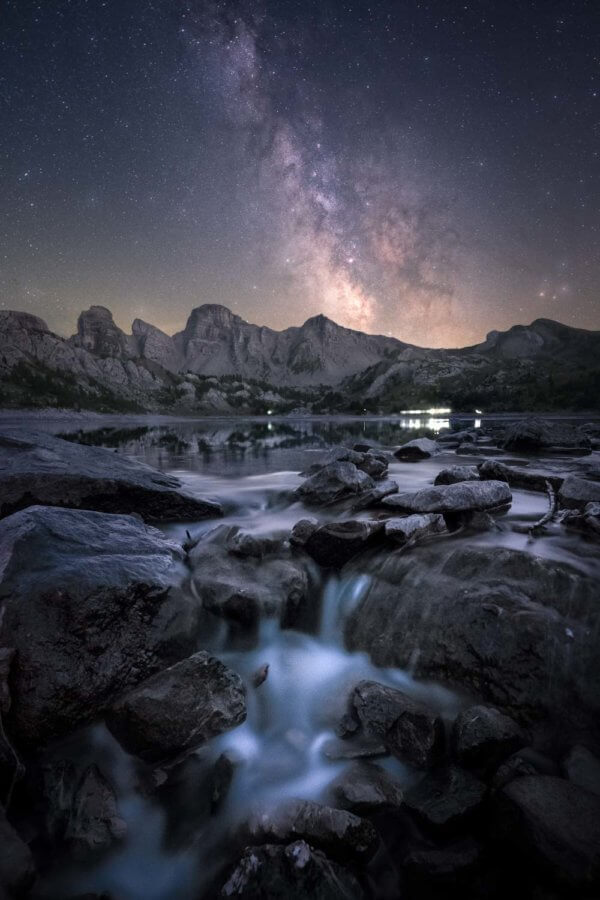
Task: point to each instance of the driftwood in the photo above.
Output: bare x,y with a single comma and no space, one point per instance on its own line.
538,527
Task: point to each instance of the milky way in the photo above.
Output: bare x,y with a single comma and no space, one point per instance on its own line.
405,168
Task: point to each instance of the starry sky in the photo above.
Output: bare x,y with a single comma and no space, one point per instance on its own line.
429,170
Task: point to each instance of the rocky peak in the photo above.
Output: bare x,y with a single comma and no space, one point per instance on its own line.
97,332
11,320
210,316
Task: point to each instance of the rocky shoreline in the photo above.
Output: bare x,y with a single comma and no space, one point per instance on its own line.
108,623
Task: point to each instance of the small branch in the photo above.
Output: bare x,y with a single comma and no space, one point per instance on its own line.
551,512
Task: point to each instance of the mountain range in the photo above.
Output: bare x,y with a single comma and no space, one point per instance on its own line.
221,364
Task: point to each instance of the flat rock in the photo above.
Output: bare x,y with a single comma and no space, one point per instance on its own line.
335,543
553,822
576,493
366,788
334,482
38,468
179,708
111,579
292,872
452,498
456,474
337,832
446,799
411,528
413,451
483,736
410,730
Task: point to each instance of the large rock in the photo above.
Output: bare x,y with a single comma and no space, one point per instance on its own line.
335,543
17,870
364,788
456,474
554,823
482,737
410,730
445,799
522,477
37,468
410,528
535,435
372,462
295,872
88,605
334,482
11,768
414,451
576,493
241,589
374,497
179,708
465,496
509,628
337,832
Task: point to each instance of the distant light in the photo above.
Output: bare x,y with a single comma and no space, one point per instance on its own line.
434,411
269,412
479,412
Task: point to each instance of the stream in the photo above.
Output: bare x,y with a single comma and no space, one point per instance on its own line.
287,747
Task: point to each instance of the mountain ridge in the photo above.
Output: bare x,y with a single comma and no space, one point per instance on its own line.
219,362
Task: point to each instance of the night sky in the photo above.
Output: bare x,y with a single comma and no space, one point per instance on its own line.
429,170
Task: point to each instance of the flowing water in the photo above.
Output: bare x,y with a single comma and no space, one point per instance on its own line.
174,846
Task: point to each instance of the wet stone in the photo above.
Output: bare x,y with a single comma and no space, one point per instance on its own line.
446,799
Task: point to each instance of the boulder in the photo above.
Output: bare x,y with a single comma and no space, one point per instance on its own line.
94,823
409,730
295,872
334,482
553,823
38,468
179,708
452,498
17,870
509,628
536,435
414,451
482,737
335,543
583,768
576,493
456,474
411,528
446,799
89,605
372,462
456,437
242,589
374,497
339,833
519,476
587,521
526,761
365,788
302,530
